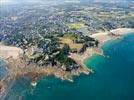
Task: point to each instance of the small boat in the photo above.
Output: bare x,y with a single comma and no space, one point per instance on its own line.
33,83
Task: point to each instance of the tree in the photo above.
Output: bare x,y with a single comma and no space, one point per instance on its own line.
66,49
96,43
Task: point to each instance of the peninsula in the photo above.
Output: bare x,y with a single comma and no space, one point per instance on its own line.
19,63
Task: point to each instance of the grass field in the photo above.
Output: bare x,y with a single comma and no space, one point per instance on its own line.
75,25
70,42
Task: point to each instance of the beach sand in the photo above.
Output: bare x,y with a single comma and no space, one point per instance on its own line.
9,51
102,36
112,34
122,31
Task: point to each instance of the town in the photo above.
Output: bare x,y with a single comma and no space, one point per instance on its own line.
48,34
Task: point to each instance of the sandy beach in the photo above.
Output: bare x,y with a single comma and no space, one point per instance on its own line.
112,34
122,31
102,36
9,51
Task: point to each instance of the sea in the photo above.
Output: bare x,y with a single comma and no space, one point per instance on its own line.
113,78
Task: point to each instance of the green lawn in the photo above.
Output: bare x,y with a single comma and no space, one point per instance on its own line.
75,25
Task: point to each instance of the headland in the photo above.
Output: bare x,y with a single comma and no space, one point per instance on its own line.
17,66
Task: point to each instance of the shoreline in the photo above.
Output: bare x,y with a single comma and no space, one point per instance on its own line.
102,37
20,68
34,72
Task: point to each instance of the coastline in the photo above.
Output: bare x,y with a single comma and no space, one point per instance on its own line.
18,67
102,37
122,31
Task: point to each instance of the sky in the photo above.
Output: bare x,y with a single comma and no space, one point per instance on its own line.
34,1
57,1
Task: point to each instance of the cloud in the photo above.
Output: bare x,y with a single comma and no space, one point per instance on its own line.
5,1
72,1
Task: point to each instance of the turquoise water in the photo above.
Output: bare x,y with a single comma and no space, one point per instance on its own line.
113,78
3,71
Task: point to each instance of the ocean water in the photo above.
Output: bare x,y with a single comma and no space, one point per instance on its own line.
113,78
3,71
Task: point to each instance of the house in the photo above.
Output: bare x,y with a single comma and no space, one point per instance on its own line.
36,50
